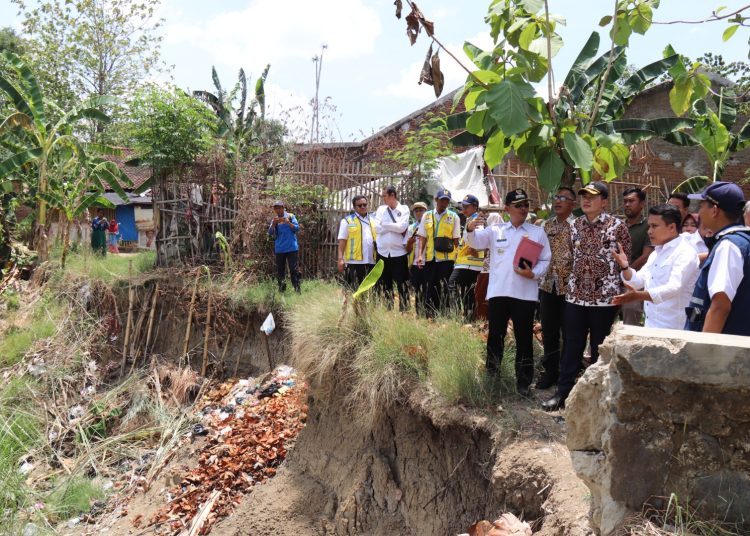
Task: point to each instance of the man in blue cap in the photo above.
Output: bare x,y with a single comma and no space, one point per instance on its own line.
440,230
283,229
721,299
469,262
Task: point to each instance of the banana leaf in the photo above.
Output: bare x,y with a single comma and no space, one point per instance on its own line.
369,281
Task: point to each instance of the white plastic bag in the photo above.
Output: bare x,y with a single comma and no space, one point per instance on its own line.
268,325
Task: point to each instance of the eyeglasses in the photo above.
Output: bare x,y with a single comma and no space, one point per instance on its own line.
361,205
563,198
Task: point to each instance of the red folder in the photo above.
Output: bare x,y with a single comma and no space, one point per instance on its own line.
528,249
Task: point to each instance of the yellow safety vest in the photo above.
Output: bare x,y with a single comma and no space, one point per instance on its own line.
354,247
412,232
463,256
444,230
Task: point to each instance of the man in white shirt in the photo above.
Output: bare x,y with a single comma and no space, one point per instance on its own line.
391,223
666,281
513,290
356,243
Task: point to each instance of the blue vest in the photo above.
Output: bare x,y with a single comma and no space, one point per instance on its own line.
737,322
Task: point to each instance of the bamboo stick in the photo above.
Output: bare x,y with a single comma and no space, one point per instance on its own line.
190,315
224,352
242,349
134,343
151,320
204,365
130,316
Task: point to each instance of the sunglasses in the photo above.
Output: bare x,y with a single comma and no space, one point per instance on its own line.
563,198
521,205
360,205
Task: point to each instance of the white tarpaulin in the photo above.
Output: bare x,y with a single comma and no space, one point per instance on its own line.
461,174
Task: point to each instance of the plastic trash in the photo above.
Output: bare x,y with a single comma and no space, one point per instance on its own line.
26,468
268,325
284,371
269,391
199,430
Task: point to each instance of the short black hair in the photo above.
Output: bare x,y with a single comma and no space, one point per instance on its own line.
735,214
568,189
668,213
635,190
390,190
683,197
357,198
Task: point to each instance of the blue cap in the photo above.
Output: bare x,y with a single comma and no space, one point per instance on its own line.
443,194
278,203
470,200
725,195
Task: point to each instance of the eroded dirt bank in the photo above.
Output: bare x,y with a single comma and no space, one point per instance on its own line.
417,470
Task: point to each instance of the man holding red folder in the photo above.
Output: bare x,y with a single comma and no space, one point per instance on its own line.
514,286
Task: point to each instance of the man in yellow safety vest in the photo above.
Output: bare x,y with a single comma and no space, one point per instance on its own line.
469,263
356,243
440,230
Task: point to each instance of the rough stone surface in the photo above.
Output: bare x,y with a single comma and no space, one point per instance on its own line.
664,412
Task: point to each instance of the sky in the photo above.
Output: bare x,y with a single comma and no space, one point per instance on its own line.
369,70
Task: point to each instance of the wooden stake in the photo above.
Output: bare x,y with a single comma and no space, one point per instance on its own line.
224,352
151,320
268,352
242,350
135,349
130,318
204,365
190,315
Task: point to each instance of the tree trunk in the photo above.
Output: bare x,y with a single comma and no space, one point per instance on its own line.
41,241
569,177
65,242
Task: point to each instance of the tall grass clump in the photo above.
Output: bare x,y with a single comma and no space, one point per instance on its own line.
22,333
383,354
109,267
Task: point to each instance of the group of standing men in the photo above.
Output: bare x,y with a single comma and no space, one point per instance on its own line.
588,269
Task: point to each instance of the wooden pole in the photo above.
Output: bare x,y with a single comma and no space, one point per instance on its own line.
224,352
190,315
242,349
130,318
268,352
151,320
204,365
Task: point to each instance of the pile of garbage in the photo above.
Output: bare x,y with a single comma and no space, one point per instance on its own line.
249,428
506,525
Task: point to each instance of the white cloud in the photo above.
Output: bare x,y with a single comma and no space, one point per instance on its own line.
267,31
407,87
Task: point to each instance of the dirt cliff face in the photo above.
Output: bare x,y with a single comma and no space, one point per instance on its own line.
414,470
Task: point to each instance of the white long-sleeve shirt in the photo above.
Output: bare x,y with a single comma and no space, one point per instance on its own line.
390,233
669,277
502,240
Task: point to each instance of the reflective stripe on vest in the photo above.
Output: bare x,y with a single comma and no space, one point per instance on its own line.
412,232
354,249
736,323
463,256
444,230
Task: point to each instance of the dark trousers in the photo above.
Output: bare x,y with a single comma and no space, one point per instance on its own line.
552,312
355,273
437,274
582,321
461,287
395,269
521,312
282,259
418,280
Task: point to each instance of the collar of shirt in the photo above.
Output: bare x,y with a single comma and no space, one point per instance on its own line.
643,220
669,245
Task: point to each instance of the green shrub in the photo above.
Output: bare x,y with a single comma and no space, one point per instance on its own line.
73,497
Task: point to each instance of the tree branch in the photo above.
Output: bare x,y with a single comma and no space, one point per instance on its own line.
603,83
712,18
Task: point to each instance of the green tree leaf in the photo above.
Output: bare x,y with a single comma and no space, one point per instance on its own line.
495,150
508,107
578,150
527,36
729,32
551,168
640,18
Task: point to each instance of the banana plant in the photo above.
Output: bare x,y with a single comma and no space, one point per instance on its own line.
236,120
73,189
41,142
568,135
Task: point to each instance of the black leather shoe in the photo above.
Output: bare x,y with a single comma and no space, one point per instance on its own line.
545,382
554,403
523,390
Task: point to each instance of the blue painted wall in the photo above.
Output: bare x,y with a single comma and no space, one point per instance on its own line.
125,215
